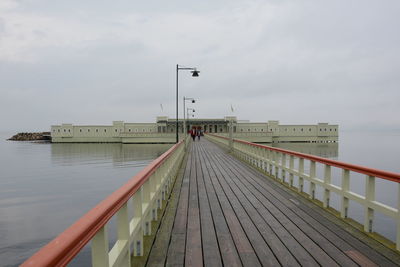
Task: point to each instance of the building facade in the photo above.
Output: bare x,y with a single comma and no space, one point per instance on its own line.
164,131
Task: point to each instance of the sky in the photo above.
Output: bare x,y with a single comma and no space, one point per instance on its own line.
299,62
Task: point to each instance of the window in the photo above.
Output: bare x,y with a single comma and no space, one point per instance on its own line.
58,130
65,130
88,130
80,130
115,130
309,129
320,130
54,130
69,130
105,130
330,130
97,130
301,129
248,130
129,130
241,130
262,130
294,129
325,129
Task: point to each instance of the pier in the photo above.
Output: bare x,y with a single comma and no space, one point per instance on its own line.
224,202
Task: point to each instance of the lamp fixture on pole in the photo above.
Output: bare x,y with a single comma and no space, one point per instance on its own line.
195,73
184,111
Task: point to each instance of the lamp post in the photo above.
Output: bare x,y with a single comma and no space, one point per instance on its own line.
195,73
184,109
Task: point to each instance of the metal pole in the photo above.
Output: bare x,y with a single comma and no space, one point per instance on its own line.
177,134
184,122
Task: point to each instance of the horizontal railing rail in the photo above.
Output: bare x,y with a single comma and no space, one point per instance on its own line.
143,195
281,163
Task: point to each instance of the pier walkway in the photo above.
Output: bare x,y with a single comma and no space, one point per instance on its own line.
224,213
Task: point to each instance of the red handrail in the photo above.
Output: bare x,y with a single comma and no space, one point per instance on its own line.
391,176
62,249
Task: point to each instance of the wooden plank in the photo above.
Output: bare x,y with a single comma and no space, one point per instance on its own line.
243,245
193,255
280,251
211,250
176,249
301,255
261,248
229,253
289,219
316,217
159,250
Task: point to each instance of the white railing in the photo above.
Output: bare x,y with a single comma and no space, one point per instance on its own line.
284,165
142,195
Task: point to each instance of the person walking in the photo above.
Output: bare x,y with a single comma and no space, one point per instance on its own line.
198,134
193,134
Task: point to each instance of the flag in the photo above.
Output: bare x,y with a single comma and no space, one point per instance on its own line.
231,108
162,109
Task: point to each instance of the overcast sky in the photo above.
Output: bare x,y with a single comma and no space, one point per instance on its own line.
95,61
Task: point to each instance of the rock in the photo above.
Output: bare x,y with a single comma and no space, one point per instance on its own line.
30,136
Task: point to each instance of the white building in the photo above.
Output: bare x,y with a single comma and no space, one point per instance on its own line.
164,131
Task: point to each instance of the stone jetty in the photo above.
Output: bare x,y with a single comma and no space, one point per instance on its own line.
30,136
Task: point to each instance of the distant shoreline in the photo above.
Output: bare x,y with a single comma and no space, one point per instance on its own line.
38,136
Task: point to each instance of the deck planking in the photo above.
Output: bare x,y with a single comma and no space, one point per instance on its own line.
229,214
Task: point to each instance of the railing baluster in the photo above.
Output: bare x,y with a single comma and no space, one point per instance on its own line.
123,234
283,166
277,159
145,203
100,248
291,167
345,189
327,181
313,171
138,217
301,174
369,196
398,218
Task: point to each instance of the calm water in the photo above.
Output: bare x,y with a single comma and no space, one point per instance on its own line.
45,187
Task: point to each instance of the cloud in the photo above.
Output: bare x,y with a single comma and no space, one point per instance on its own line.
294,61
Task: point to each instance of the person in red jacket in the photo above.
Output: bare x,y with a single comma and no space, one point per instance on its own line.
193,134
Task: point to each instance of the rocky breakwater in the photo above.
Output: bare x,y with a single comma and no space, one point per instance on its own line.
30,136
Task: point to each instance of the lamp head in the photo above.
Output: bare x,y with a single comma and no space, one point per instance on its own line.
195,73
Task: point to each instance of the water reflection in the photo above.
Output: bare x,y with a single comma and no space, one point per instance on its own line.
120,154
44,188
325,150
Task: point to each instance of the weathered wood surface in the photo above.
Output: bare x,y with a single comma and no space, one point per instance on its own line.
228,214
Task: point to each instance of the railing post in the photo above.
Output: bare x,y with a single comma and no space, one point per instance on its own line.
146,220
100,248
313,172
291,167
301,173
138,217
369,196
398,218
283,166
327,181
123,234
277,158
345,189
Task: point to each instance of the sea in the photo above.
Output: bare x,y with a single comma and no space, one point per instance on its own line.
45,187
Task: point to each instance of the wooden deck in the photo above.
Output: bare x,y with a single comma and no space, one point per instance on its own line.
228,214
